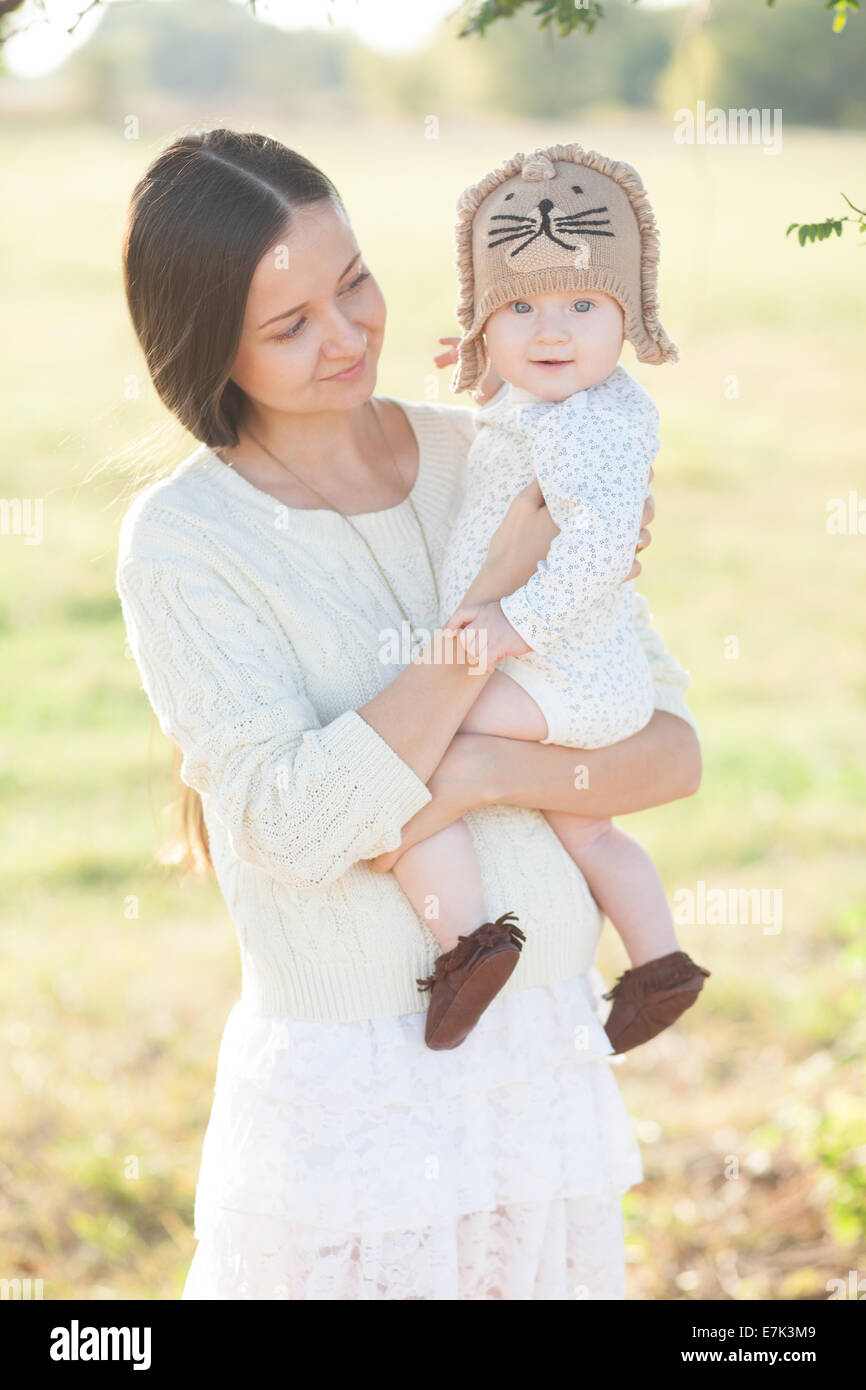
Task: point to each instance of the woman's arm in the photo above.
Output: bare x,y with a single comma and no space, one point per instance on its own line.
660,763
422,708
300,799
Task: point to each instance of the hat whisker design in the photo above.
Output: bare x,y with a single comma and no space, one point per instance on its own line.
585,212
517,236
525,224
585,227
540,231
568,224
576,223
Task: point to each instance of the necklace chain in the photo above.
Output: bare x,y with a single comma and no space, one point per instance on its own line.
348,519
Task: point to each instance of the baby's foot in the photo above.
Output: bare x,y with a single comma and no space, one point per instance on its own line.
650,997
466,979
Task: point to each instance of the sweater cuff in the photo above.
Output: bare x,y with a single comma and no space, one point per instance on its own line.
396,792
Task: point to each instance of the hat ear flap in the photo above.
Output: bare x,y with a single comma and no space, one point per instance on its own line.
471,364
471,354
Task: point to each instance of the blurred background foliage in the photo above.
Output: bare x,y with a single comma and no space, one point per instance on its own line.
736,53
118,976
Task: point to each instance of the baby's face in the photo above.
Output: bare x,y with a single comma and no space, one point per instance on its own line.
556,343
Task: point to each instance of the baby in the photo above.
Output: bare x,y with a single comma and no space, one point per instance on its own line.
557,256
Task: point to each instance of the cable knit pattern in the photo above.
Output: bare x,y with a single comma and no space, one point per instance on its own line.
258,632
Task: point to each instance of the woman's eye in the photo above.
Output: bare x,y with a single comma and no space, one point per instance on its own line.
582,305
290,332
295,328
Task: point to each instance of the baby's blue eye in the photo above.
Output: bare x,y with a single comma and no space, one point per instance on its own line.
521,304
582,305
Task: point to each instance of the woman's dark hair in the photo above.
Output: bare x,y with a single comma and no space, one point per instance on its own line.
206,211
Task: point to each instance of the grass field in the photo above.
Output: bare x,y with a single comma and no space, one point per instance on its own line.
118,977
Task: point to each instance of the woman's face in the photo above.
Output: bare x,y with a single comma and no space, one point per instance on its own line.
313,311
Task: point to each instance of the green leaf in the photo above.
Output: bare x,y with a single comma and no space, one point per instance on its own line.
841,16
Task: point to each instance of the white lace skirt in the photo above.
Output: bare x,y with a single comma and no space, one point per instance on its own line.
351,1162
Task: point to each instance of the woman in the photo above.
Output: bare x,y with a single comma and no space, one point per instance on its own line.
261,585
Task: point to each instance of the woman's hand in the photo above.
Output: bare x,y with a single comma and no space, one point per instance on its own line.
490,382
644,538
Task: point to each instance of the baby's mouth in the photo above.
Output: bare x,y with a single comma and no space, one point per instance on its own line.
550,361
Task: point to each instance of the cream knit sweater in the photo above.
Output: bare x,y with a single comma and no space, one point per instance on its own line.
258,632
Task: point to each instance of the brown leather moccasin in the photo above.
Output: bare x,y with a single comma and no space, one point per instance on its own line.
650,997
466,979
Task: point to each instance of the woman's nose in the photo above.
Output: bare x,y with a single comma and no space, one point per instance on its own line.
343,337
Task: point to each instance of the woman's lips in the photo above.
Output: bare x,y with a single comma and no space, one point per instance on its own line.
349,372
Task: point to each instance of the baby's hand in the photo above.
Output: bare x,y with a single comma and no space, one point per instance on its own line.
484,635
448,358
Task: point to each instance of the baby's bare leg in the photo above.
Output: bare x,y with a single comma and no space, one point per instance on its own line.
442,880
504,708
624,882
440,876
621,876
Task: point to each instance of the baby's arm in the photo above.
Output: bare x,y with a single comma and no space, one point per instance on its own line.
593,466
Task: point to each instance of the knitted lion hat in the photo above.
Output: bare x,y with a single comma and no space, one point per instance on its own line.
560,218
